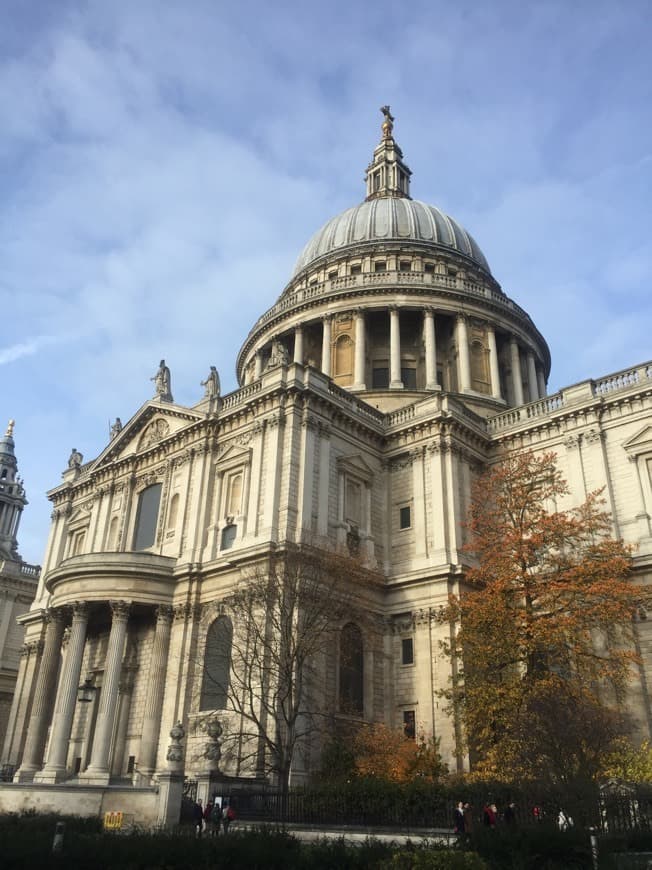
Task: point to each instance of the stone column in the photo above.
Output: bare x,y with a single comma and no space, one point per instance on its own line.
155,689
541,382
517,381
532,377
463,364
493,363
43,697
326,346
98,769
298,345
360,352
431,348
395,381
258,365
55,767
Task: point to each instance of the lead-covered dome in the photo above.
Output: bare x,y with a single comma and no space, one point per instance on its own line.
390,218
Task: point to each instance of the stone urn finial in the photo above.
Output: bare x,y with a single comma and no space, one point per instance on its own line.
175,749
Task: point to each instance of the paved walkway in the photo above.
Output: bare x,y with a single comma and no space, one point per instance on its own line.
308,833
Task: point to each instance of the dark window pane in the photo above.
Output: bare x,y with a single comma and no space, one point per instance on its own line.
409,378
380,266
380,378
409,724
217,665
228,537
404,518
148,505
351,671
407,651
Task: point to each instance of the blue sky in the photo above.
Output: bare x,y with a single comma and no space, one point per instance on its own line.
163,164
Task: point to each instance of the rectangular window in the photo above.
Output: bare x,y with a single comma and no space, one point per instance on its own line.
405,266
353,502
404,518
409,378
380,378
332,274
429,268
407,651
147,517
356,269
380,266
409,724
131,764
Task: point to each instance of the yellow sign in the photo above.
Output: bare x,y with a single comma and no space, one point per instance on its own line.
112,821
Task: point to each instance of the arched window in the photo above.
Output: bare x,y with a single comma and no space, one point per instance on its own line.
112,543
351,671
147,517
217,665
234,497
173,512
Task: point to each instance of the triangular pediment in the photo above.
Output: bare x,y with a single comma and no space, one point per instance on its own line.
639,443
151,425
356,464
234,453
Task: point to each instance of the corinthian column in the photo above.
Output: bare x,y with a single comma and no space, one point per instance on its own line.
463,366
517,380
298,345
155,689
98,769
493,363
532,377
326,346
395,381
55,766
43,697
360,352
431,349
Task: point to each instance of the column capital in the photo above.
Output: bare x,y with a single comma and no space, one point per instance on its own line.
164,613
120,609
80,610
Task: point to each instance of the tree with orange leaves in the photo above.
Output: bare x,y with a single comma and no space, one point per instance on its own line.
543,621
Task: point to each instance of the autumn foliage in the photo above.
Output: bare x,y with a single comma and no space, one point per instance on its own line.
543,623
386,753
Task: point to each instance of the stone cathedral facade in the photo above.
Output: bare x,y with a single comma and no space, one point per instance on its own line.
392,368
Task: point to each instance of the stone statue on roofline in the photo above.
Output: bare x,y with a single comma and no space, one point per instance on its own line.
75,459
115,428
162,383
212,384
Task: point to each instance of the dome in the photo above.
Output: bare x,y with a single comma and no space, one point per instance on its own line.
390,219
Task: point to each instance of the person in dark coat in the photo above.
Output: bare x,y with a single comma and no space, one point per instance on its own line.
458,818
198,818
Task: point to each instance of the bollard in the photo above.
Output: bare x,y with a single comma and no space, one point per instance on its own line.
57,843
594,848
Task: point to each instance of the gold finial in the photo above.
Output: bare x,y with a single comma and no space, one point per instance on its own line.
388,124
10,429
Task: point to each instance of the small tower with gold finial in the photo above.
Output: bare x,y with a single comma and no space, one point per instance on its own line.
387,174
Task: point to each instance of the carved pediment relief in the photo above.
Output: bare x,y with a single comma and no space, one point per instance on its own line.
154,432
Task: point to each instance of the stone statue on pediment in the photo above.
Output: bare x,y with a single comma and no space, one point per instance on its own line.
115,428
162,383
